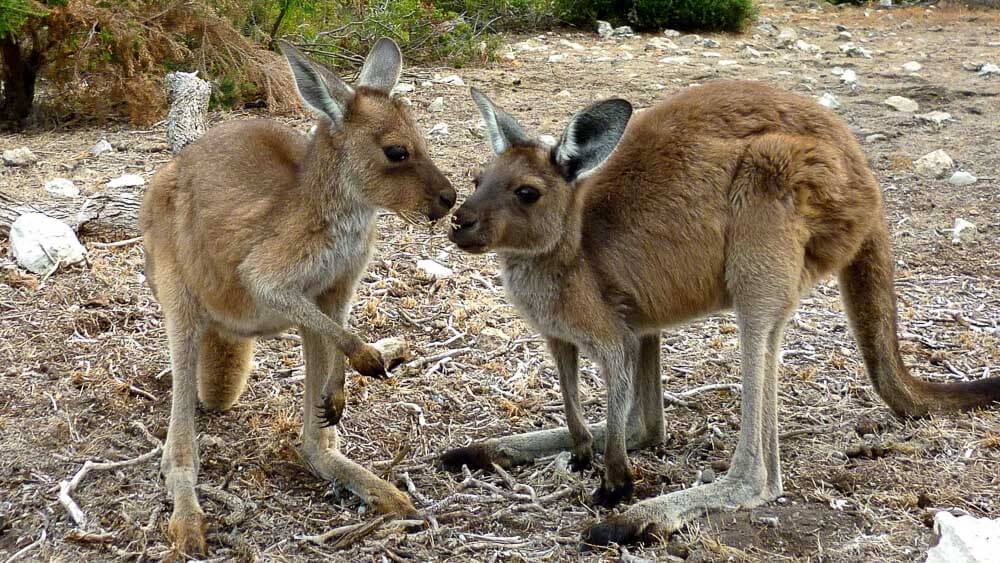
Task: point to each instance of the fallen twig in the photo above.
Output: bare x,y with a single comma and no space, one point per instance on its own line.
23,551
117,243
68,487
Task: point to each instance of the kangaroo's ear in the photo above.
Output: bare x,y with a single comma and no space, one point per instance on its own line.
591,137
318,87
382,67
502,129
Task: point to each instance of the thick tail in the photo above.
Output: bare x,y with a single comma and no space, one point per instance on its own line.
866,285
223,367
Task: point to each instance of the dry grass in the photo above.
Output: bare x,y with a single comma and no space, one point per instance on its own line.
84,357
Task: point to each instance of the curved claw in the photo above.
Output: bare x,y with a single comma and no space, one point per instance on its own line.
581,462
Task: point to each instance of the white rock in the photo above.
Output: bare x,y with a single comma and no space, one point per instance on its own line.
604,29
751,52
127,181
623,31
852,50
690,40
849,77
426,84
806,47
728,62
660,44
434,270
679,60
989,69
571,45
439,130
912,66
710,43
712,54
935,117
837,71
961,178
829,100
548,140
453,79
39,243
403,88
509,55
964,539
557,58
436,105
787,37
964,231
846,35
935,164
101,147
528,46
62,187
902,104
876,137
19,157
565,94
671,33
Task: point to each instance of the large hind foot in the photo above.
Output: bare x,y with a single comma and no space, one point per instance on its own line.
656,518
187,532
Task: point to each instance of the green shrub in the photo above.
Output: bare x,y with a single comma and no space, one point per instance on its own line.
707,15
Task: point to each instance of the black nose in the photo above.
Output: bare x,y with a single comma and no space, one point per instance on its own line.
463,219
447,198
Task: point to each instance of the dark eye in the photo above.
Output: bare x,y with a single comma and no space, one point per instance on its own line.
527,194
396,153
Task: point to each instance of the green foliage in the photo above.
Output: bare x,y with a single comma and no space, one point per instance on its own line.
707,15
15,13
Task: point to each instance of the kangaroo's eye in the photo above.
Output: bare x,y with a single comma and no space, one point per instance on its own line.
527,195
396,153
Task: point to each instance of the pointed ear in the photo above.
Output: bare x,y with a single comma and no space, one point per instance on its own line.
502,129
591,137
382,67
318,87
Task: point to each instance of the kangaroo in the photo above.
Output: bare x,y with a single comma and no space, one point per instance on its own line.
255,228
728,195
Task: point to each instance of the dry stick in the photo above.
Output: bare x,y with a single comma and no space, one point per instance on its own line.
429,359
678,398
27,548
116,244
66,488
353,533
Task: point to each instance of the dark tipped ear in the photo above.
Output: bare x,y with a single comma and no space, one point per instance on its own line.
503,130
318,87
382,67
591,137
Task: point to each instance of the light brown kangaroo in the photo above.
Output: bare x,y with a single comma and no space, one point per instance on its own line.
732,194
255,228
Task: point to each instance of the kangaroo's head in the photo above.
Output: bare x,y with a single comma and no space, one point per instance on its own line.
524,197
368,137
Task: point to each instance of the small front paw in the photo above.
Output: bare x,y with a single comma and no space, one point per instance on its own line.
368,362
332,409
609,496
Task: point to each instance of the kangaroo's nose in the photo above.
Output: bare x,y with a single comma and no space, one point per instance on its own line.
463,219
447,198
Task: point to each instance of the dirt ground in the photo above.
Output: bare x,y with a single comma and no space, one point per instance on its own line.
84,359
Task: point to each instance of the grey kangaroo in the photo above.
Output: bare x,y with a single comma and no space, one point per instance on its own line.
728,195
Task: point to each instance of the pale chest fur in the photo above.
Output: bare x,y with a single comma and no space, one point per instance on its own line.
536,292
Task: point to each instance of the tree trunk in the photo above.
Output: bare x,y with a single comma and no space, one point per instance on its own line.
117,211
18,76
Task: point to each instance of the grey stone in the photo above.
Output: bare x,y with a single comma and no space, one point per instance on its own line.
19,157
40,243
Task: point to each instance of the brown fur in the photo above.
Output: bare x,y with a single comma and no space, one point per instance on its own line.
256,228
732,194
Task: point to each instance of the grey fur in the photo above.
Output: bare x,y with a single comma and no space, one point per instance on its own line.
320,89
382,67
591,137
503,130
